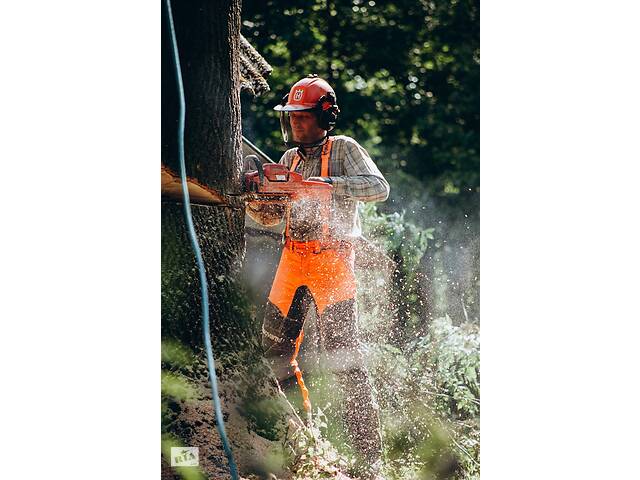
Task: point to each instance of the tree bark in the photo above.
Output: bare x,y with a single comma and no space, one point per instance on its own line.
208,36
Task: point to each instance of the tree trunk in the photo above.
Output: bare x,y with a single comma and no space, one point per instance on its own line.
208,42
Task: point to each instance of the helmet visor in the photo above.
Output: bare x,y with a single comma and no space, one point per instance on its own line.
285,127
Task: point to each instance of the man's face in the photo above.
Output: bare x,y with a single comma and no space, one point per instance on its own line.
305,127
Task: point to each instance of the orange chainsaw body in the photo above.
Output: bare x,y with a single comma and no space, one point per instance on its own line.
279,181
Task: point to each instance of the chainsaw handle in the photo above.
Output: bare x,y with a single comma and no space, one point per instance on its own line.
257,164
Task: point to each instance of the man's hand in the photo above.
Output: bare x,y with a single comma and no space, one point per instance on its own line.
320,179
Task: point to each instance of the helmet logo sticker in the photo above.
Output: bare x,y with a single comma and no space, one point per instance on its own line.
297,95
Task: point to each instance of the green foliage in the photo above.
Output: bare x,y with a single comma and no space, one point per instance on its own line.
312,456
452,355
402,239
429,397
177,387
428,392
405,243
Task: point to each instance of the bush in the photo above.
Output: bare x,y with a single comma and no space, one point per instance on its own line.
429,397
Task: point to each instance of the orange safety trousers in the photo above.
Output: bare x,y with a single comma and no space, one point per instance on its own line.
328,273
328,277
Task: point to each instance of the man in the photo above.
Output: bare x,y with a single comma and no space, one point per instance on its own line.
316,270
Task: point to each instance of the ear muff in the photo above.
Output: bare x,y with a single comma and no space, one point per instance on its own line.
327,111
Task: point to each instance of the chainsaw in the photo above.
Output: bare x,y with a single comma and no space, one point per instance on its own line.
308,202
275,182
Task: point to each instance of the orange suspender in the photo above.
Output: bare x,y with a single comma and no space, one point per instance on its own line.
326,153
324,172
294,165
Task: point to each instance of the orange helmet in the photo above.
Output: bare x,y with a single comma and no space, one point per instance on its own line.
313,94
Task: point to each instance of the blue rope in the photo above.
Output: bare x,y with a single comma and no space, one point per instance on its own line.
198,254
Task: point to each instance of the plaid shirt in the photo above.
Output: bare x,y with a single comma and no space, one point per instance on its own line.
354,176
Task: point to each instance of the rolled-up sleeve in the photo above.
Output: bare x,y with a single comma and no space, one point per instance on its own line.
361,177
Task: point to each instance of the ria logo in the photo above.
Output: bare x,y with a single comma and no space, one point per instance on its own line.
297,95
184,456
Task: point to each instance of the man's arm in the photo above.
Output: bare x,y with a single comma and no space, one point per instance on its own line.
361,178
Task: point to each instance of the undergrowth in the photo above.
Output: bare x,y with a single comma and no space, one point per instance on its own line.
429,393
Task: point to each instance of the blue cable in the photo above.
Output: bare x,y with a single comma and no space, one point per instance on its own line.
198,254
